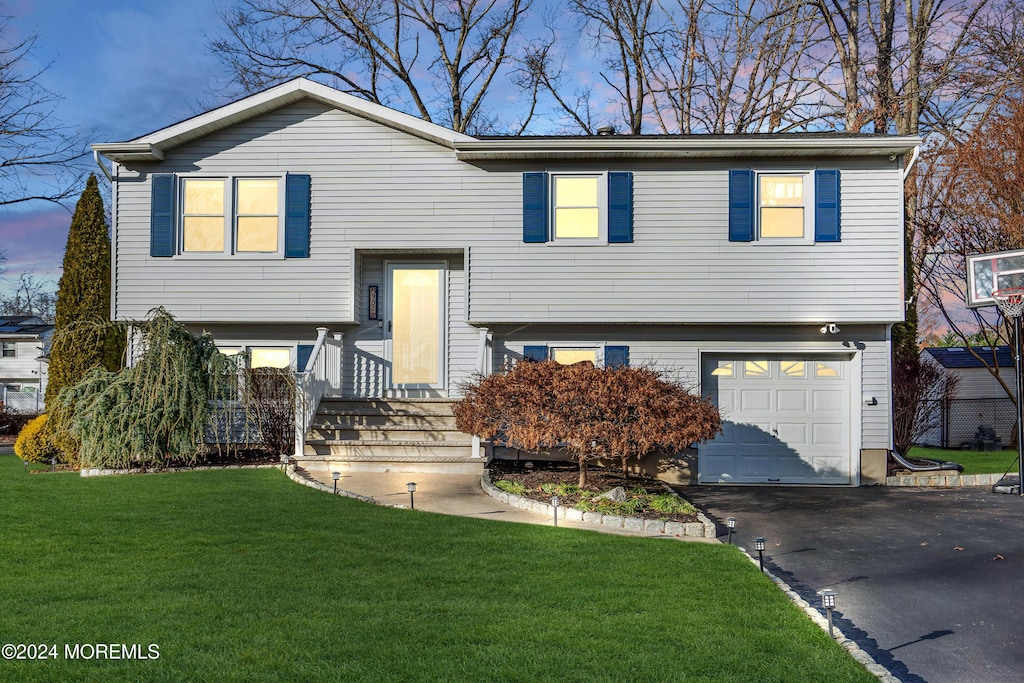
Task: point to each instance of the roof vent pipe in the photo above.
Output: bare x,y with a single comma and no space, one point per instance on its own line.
606,130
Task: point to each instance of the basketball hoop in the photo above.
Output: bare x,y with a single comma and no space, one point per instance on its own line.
1010,301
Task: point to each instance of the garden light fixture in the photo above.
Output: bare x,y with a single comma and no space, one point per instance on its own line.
828,601
759,547
335,476
53,464
731,523
411,488
554,505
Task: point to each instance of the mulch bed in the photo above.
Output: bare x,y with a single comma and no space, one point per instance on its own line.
599,480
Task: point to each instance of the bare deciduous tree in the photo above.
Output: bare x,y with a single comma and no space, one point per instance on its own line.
38,154
436,60
30,296
973,202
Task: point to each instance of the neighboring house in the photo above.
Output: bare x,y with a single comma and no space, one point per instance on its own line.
980,402
24,343
765,270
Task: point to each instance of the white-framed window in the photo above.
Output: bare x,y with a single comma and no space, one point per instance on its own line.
8,350
568,355
264,355
231,215
785,203
579,208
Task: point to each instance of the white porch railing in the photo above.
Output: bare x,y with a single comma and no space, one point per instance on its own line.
484,356
322,375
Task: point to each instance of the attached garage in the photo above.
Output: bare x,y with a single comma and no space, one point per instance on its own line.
786,419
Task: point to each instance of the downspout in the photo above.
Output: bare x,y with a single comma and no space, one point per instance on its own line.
106,171
913,160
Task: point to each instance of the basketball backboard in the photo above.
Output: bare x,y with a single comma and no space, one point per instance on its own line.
987,273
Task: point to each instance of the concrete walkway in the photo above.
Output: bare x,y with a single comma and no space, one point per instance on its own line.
453,494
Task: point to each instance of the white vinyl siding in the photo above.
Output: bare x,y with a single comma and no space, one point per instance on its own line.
376,188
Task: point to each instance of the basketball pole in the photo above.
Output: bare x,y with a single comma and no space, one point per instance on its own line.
1020,406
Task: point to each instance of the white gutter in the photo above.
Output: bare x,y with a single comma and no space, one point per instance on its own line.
913,160
103,167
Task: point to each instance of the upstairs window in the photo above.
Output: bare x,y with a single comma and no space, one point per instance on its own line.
784,206
202,216
251,226
577,202
8,350
230,215
781,206
257,218
578,208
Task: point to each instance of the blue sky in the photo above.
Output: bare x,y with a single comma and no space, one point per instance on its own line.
123,68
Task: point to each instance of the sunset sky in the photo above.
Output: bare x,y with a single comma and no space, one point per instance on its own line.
123,69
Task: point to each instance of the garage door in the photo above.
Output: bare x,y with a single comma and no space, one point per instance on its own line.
785,420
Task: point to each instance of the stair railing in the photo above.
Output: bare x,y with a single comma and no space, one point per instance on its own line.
322,374
485,352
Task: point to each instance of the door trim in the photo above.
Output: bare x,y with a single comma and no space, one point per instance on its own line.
387,306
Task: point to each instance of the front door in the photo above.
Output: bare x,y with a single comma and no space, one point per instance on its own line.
415,327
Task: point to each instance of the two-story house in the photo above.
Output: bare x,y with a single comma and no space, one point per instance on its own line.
764,270
24,343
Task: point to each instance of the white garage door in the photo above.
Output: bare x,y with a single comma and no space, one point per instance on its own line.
785,420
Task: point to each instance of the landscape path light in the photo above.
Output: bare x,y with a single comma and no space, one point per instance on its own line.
411,488
335,476
554,505
731,523
759,547
828,601
53,464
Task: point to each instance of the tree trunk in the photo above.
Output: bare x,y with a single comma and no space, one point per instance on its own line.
583,473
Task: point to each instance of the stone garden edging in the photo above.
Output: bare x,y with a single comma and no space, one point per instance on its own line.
98,472
705,528
943,480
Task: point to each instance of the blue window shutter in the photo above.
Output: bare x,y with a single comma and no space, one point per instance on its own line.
826,206
741,205
296,216
535,352
161,215
302,354
616,356
535,207
620,207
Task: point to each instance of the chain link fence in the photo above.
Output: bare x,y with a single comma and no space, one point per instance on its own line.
976,423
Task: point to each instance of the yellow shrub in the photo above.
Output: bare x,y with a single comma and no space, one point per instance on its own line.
34,443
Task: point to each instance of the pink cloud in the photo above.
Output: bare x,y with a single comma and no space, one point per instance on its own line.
34,241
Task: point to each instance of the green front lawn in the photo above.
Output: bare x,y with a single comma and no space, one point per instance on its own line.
974,462
246,576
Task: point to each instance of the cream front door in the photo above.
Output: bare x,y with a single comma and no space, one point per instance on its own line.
416,325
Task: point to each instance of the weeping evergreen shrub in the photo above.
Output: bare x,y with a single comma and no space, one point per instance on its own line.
154,413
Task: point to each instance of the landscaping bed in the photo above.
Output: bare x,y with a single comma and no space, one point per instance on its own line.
645,497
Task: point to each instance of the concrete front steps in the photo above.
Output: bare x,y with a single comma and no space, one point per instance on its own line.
388,435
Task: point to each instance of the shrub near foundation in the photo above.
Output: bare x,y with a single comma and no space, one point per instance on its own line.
34,443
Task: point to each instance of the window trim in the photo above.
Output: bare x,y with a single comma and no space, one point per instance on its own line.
809,205
602,209
230,217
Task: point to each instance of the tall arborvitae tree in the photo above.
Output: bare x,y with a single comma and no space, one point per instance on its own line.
80,340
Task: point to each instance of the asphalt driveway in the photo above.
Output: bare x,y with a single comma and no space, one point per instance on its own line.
930,582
